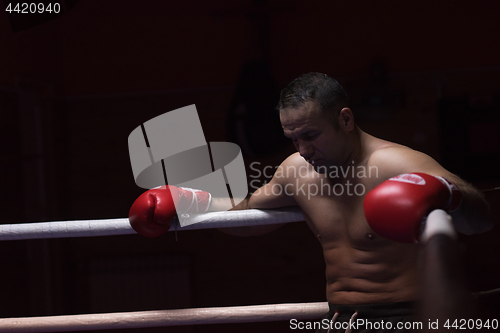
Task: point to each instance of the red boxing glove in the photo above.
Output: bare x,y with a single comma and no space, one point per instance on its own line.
152,211
396,208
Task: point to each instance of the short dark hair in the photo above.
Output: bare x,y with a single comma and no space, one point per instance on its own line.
318,87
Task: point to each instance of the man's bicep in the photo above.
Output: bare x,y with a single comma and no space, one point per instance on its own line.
279,192
274,194
473,214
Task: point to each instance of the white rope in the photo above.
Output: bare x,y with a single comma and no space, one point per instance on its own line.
438,222
92,228
200,316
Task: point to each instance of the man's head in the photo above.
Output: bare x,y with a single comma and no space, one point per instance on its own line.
315,87
314,115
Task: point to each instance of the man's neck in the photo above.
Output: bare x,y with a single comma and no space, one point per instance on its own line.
358,139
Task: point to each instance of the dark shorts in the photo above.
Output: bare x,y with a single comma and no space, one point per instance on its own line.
385,317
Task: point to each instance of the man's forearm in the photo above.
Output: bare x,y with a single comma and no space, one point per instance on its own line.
473,215
224,204
252,230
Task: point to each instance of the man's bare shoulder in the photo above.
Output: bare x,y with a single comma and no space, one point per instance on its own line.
293,166
388,154
394,159
294,160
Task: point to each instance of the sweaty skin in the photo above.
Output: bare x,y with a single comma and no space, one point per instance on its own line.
361,267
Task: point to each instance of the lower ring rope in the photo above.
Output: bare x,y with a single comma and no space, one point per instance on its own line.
93,228
200,316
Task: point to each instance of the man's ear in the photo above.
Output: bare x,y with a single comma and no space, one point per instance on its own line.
346,119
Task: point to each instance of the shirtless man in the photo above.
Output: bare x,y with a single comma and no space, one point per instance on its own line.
361,267
364,272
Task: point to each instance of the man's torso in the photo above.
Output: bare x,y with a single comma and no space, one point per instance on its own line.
361,267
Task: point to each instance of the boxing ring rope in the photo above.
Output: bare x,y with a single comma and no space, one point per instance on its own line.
109,227
143,319
436,239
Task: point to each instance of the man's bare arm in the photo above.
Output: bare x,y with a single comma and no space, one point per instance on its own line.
266,198
473,215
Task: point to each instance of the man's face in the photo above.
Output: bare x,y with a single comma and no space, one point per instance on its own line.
314,136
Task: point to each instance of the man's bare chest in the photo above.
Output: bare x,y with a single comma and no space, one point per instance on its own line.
334,212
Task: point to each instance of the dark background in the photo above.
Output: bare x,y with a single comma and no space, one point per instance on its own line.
425,74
